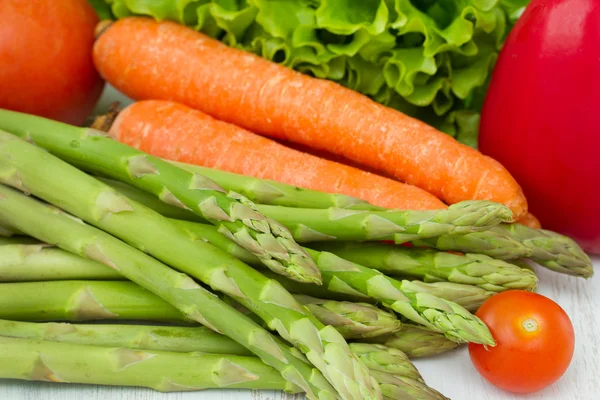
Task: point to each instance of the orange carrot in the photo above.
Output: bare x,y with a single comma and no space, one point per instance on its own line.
530,220
163,60
179,133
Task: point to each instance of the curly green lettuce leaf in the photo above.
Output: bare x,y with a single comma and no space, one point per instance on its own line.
427,58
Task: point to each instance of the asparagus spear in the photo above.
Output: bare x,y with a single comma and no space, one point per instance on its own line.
39,262
272,192
35,171
435,266
551,250
112,300
490,243
411,300
352,320
17,240
37,360
388,363
314,225
51,225
416,341
236,216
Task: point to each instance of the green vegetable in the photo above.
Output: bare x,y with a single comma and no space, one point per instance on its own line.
83,301
65,300
36,360
430,59
315,225
265,191
551,250
51,225
416,341
35,171
352,320
236,216
38,262
435,266
412,300
72,353
490,243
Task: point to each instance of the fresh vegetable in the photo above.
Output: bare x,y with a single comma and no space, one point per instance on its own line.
535,342
173,371
37,360
416,341
314,225
434,266
72,300
282,103
236,217
51,179
177,132
547,134
46,57
428,59
51,225
412,300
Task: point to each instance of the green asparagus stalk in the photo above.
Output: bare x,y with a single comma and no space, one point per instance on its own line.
411,300
35,171
265,191
182,339
39,262
352,320
416,341
236,216
551,250
435,266
310,225
83,301
51,225
490,243
17,240
314,225
37,360
111,300
175,369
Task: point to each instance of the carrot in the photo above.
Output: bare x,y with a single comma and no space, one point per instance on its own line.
530,220
179,133
163,60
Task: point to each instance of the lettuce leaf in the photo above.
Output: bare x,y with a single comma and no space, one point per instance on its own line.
431,59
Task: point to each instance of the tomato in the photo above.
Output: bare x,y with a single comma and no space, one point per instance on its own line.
535,341
46,58
541,115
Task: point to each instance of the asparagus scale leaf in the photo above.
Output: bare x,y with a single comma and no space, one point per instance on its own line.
51,225
236,216
35,171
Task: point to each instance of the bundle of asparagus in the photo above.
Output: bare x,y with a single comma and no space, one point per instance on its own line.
138,238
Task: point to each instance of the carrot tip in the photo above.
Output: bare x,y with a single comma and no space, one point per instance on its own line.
101,27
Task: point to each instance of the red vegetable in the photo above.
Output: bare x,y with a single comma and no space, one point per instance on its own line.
541,117
535,341
46,58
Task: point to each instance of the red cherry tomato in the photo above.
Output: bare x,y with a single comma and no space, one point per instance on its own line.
541,116
535,342
46,58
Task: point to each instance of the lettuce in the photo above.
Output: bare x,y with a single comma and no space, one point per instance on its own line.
428,58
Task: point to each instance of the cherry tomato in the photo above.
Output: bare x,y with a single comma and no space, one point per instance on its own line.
46,57
540,117
535,341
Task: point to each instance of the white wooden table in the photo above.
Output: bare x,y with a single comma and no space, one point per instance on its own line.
452,373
